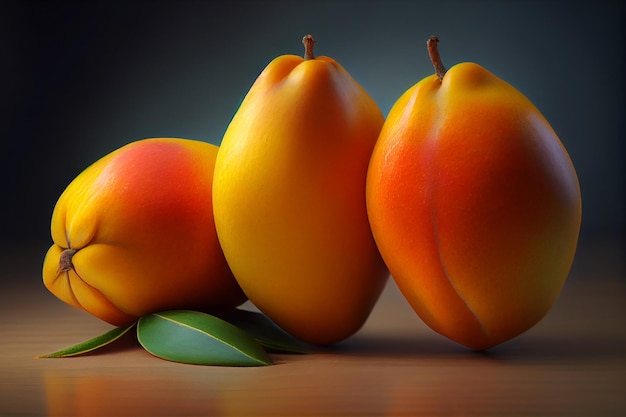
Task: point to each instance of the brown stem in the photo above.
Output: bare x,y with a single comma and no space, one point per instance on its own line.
308,42
65,263
433,52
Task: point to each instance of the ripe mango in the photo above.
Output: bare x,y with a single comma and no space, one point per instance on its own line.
134,234
474,203
289,197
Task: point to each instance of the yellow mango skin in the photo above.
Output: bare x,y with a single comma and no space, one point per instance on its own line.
141,222
475,206
289,198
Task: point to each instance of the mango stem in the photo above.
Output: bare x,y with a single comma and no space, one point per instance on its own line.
308,42
65,262
435,58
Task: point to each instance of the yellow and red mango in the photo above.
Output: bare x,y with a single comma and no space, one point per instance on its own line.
474,204
289,198
134,234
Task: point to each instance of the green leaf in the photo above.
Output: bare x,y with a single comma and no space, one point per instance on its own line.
265,331
198,338
91,344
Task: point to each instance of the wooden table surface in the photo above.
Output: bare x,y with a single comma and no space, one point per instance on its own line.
573,363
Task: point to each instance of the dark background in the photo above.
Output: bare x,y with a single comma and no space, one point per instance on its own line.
79,79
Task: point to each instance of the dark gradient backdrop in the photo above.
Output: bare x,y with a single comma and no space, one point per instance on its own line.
79,79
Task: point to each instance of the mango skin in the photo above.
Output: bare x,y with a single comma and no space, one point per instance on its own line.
141,222
289,198
475,206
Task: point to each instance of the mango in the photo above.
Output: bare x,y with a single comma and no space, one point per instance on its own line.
134,234
289,197
474,203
